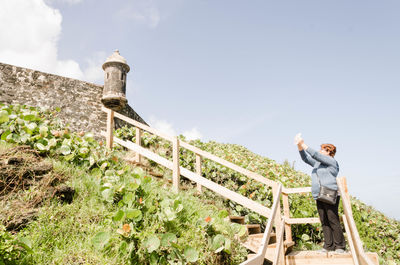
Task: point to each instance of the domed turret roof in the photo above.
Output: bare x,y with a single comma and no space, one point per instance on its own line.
116,58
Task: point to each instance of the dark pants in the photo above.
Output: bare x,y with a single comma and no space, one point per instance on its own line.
333,233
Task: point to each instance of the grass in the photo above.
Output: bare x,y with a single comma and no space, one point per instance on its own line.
63,233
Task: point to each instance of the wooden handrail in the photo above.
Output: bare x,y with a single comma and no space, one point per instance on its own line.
230,165
358,248
356,245
279,251
140,125
227,193
259,258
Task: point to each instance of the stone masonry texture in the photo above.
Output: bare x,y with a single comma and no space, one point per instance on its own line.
80,102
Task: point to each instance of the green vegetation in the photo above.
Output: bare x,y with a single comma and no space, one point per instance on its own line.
120,213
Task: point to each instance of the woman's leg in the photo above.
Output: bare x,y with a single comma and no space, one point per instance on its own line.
326,228
334,223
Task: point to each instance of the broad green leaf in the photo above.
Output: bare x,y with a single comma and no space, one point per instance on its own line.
69,157
169,214
134,214
218,241
41,147
118,216
101,239
128,197
83,151
43,130
227,245
132,186
5,134
191,254
138,171
152,243
26,244
65,150
242,231
4,116
96,172
223,213
29,117
305,237
167,238
52,142
108,195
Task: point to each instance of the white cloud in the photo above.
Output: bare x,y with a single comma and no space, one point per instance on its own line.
162,125
167,128
29,32
29,35
141,11
71,2
192,134
94,72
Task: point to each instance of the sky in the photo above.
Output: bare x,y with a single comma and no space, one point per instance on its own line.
253,73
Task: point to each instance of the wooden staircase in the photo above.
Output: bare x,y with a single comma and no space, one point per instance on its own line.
275,247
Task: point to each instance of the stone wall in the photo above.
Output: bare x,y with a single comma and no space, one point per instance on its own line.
80,102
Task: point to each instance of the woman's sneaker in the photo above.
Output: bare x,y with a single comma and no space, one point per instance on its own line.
323,251
340,251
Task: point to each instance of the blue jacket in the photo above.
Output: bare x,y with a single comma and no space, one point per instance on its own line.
325,166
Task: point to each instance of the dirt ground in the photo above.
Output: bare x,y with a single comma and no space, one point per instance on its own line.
27,181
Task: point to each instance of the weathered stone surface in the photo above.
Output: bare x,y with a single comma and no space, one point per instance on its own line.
79,101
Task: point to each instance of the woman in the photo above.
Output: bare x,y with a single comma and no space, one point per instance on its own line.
326,169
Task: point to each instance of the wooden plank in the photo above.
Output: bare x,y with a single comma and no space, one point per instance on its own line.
140,125
198,171
311,220
242,200
271,220
110,128
279,252
175,164
296,190
255,259
150,155
262,249
315,258
364,260
139,143
286,212
350,241
230,165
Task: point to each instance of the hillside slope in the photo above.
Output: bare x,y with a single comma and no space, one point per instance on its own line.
128,208
379,233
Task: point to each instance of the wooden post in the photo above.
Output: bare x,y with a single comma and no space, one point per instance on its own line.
198,171
138,142
286,211
353,252
278,215
280,249
110,128
175,164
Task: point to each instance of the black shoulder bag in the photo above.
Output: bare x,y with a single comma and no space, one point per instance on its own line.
326,194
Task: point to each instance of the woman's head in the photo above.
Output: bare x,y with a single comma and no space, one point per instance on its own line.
328,149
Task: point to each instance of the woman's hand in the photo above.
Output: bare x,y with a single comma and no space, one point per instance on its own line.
298,140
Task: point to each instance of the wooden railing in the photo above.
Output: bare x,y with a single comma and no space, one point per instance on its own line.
355,243
282,223
279,251
177,170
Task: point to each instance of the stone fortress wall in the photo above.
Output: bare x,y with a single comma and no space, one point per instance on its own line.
79,101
